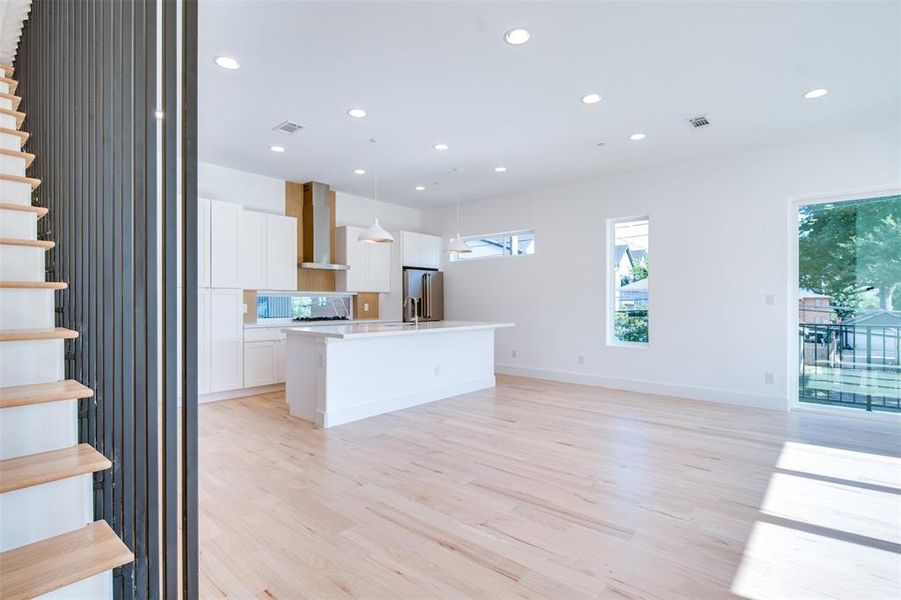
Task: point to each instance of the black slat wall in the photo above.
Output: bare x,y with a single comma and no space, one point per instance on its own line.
89,78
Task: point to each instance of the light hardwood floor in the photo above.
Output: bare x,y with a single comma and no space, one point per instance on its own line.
548,490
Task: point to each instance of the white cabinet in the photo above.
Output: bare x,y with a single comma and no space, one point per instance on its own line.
421,250
370,264
203,241
203,341
267,251
260,363
281,355
223,335
225,220
252,250
281,253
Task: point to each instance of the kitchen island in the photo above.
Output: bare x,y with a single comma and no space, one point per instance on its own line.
342,373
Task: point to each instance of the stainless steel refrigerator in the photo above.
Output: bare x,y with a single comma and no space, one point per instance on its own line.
427,286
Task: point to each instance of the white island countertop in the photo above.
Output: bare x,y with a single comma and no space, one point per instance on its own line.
366,330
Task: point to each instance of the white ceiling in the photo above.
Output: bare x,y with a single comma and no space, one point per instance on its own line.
440,72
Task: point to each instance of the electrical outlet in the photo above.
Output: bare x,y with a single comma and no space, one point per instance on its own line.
515,354
769,378
365,307
770,300
243,309
581,360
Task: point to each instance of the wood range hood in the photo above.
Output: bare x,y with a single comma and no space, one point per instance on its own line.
313,205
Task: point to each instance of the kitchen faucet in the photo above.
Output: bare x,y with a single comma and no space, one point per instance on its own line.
415,302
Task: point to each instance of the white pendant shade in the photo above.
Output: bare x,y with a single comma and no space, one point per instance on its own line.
376,234
458,246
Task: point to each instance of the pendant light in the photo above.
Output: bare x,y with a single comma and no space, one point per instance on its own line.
376,234
458,245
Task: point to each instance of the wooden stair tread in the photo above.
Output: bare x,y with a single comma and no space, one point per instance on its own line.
12,83
28,156
39,393
18,178
12,97
33,285
45,244
44,566
24,335
35,469
22,134
20,116
40,210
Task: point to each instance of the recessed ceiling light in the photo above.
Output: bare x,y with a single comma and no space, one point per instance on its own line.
357,113
591,98
359,172
637,136
158,114
814,94
516,37
500,169
277,148
419,188
440,147
227,62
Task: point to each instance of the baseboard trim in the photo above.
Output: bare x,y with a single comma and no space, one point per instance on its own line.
325,419
240,393
649,387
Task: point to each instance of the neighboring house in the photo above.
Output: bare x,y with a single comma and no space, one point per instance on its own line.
634,295
815,308
622,262
637,255
874,335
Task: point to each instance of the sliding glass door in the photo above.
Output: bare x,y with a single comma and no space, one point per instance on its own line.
849,303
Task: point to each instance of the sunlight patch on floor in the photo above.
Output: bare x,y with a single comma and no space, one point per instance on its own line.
841,464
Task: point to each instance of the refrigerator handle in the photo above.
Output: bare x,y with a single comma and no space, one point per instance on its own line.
429,294
425,298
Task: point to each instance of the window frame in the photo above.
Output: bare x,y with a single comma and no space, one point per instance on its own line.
454,258
612,282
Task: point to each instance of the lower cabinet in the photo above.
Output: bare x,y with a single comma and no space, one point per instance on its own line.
265,351
220,340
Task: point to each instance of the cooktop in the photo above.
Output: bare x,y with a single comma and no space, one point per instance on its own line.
305,319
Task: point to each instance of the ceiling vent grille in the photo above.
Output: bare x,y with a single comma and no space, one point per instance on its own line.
698,122
288,127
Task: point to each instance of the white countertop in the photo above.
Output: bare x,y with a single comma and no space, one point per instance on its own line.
289,323
361,330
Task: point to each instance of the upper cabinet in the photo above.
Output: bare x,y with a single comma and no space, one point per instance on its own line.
370,264
268,252
224,233
421,250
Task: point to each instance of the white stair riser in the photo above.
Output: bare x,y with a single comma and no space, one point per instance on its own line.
4,87
21,263
33,361
26,309
98,586
42,511
8,121
12,165
10,142
38,428
15,192
18,224
6,103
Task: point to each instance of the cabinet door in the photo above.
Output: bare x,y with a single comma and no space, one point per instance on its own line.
281,355
203,242
226,346
260,363
226,366
252,264
355,255
281,253
379,268
224,235
430,251
203,341
411,249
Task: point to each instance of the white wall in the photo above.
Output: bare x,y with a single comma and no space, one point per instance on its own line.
719,243
355,210
255,192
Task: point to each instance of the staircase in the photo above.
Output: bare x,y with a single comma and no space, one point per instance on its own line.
49,542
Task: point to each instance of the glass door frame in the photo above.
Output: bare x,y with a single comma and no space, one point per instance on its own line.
792,316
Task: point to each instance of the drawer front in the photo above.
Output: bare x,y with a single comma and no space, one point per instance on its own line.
263,334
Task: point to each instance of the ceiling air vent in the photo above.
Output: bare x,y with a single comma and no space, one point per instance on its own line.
288,127
698,122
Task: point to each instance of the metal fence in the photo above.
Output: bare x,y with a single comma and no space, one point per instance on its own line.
850,365
88,76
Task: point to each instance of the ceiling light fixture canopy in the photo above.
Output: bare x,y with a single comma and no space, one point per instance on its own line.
376,234
458,245
228,63
518,36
